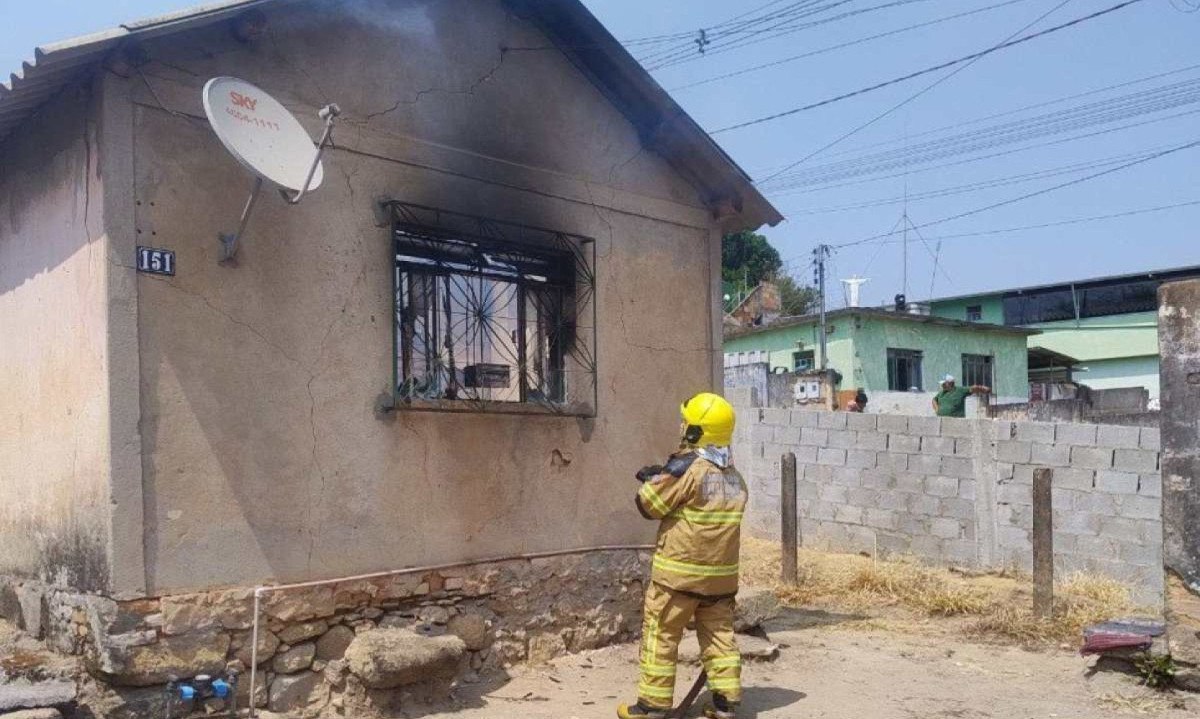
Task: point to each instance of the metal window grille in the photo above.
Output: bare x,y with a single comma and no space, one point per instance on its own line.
491,316
974,313
977,369
904,370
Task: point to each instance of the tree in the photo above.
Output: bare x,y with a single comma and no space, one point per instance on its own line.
748,257
795,299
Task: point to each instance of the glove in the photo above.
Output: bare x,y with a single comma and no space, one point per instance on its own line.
645,474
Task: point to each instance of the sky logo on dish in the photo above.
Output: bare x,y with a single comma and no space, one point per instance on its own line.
243,100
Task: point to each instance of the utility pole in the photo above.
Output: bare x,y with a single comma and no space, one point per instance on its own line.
819,255
904,220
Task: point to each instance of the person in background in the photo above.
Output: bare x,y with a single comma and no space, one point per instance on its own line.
952,400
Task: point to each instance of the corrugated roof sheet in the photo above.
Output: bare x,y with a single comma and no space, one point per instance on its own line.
55,65
664,126
1166,274
878,313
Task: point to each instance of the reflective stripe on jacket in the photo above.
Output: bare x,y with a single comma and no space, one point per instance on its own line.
700,534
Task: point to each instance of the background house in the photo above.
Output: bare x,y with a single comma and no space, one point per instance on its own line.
897,357
459,348
1107,325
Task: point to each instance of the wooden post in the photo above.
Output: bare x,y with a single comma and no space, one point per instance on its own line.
1043,543
789,538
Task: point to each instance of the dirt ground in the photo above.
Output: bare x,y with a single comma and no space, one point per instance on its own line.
841,667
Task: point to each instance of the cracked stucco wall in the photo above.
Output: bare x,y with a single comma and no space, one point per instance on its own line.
262,457
53,356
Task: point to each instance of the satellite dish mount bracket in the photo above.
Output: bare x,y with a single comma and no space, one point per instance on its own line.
229,242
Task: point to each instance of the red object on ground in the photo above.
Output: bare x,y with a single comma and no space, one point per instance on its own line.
1100,643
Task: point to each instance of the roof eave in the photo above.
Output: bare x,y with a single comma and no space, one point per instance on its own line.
888,315
663,126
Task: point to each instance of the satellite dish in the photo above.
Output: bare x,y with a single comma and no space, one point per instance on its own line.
261,133
267,140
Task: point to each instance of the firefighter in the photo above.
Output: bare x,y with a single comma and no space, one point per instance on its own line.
699,498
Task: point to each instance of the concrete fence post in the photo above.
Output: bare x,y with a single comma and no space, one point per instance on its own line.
1043,543
789,539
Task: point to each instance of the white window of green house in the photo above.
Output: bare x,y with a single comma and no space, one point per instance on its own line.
491,316
904,370
803,361
977,369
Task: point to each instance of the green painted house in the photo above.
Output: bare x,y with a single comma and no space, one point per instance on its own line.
1105,330
892,353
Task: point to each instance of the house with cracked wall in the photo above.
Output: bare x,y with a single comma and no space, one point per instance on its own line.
428,382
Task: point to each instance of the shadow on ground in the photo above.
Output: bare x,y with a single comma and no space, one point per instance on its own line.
793,619
765,699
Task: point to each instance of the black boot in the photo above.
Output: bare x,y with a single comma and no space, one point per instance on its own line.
721,708
640,711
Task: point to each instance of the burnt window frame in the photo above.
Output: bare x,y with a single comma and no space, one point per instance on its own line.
555,269
897,354
970,369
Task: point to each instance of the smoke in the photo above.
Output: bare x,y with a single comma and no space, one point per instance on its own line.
410,19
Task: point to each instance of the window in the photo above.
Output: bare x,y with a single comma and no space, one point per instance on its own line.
1099,301
974,313
1118,299
976,369
491,316
803,361
904,370
1047,306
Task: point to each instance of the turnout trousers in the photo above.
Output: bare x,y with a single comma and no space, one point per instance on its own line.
666,615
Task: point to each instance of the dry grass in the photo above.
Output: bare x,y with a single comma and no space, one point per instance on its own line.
1144,703
998,606
1079,601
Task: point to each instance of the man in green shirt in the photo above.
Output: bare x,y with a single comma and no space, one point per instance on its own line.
952,401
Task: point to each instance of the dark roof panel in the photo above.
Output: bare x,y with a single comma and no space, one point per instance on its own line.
1169,273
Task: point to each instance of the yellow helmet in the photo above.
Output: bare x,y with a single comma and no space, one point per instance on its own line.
708,419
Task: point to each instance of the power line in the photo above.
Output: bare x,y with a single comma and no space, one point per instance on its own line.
936,264
691,33
1153,100
886,238
1004,153
910,98
974,121
755,27
785,27
725,28
841,46
1043,191
782,21
925,71
1060,223
975,186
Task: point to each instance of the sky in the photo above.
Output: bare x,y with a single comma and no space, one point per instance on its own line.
964,151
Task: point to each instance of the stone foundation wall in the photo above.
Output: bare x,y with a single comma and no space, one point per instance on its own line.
501,614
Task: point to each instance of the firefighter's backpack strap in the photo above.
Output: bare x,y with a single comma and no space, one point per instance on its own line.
678,465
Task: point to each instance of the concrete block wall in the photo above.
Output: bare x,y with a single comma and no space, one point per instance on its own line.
959,491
